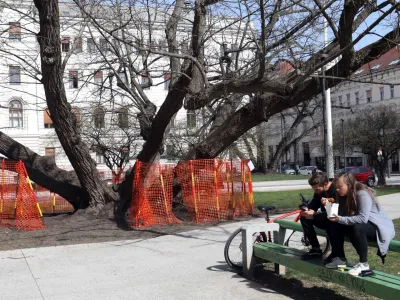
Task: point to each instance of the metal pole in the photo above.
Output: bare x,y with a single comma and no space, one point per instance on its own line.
344,144
328,117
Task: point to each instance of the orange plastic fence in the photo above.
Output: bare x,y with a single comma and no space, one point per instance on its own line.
152,195
18,204
51,202
212,190
216,189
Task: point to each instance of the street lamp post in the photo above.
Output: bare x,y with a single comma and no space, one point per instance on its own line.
344,144
326,94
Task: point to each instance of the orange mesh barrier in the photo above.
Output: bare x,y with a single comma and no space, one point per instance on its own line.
51,203
18,205
215,189
152,195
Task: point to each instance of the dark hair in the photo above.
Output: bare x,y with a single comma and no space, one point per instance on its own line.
318,178
354,187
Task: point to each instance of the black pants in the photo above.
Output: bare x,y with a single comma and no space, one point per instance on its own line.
359,235
320,221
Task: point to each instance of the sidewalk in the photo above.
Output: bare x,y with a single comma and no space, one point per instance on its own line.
187,265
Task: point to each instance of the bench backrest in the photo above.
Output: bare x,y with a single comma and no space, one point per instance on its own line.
296,226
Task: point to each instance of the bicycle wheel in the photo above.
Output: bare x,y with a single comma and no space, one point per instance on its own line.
233,248
297,240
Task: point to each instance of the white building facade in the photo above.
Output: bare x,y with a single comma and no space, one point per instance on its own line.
348,97
96,97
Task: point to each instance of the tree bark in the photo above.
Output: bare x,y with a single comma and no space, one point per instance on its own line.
77,152
43,171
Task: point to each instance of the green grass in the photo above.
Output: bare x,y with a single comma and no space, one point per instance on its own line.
282,199
291,199
275,177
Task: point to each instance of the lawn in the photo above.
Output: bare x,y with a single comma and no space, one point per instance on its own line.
291,199
276,176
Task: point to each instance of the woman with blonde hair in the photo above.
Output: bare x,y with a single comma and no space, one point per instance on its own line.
362,219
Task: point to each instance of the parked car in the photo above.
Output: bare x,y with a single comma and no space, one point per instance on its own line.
362,174
287,169
290,171
307,170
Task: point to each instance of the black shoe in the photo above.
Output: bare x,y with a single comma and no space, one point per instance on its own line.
328,259
312,253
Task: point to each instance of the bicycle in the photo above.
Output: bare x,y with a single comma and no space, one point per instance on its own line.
233,246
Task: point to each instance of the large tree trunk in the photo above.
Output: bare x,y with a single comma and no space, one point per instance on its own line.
51,64
43,171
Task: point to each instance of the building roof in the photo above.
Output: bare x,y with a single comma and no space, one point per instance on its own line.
389,60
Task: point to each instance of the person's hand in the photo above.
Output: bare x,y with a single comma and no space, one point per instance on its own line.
324,201
335,218
308,214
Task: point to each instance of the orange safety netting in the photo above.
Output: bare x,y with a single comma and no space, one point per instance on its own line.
216,189
152,195
18,204
51,203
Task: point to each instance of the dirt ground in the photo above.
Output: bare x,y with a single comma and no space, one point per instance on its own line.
67,229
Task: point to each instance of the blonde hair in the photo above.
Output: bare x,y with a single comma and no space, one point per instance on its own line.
355,186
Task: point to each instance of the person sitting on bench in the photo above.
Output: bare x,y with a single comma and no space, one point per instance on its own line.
363,219
310,216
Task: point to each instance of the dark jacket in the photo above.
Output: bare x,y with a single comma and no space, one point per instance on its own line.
316,204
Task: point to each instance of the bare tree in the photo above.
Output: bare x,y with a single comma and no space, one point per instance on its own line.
370,130
237,80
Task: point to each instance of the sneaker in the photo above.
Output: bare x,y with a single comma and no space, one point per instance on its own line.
336,261
356,270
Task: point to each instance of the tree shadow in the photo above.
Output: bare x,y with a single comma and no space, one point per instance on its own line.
266,281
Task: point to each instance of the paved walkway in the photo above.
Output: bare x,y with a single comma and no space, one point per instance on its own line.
302,184
188,265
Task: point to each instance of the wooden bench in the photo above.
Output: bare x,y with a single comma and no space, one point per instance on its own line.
381,285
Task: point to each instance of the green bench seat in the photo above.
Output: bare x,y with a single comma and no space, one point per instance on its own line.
381,285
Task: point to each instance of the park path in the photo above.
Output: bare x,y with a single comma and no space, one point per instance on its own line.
187,265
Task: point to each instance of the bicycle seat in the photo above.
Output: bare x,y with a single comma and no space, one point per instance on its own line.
265,208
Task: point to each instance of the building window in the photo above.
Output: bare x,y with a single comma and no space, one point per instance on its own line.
51,151
357,96
98,78
167,81
369,96
78,45
91,47
65,44
123,118
14,31
48,123
391,91
145,81
382,93
103,44
122,77
77,115
348,100
191,118
15,75
340,101
98,117
99,157
16,114
73,79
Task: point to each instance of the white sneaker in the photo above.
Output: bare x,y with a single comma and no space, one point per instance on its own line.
356,270
335,263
